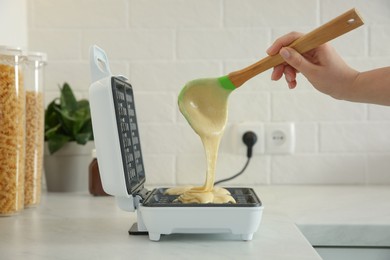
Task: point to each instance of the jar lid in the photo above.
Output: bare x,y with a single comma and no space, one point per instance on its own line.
10,50
37,56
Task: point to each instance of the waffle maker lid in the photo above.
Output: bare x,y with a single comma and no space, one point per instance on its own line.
128,133
115,128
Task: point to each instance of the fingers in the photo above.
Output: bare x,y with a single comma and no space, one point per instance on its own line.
297,61
292,83
289,72
282,42
277,73
286,69
290,76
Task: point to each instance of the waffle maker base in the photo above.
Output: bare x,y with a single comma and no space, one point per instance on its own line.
161,214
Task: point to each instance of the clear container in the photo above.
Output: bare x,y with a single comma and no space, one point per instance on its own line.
12,130
35,113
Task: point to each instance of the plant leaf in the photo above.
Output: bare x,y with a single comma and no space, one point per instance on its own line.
67,99
83,104
67,120
51,117
87,128
57,142
83,138
50,132
81,116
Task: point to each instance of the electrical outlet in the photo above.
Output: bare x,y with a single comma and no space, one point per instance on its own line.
238,132
280,138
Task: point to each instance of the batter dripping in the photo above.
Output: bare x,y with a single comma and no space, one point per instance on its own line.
205,107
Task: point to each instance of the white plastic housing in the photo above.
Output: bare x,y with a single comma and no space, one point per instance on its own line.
106,138
242,221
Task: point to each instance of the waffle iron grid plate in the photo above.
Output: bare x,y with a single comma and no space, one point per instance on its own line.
245,197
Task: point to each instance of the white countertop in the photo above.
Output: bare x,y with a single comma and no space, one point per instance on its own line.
334,215
80,226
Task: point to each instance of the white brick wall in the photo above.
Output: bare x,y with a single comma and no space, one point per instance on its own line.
162,44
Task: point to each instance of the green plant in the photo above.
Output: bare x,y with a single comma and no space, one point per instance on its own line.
67,120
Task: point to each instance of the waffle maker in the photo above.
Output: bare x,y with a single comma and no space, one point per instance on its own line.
122,170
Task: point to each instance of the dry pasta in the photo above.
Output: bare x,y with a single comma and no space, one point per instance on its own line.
34,147
12,138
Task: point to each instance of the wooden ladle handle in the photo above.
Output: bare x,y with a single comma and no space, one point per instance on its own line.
328,31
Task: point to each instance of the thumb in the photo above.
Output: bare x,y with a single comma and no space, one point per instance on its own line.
296,60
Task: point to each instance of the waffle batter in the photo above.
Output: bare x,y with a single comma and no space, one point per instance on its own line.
205,108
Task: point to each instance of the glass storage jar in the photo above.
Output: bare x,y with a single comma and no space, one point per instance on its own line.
35,113
12,130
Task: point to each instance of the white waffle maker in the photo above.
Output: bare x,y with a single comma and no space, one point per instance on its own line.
122,171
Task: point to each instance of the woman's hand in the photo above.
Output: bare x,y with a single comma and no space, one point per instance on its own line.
322,66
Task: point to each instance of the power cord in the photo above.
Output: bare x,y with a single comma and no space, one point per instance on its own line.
249,139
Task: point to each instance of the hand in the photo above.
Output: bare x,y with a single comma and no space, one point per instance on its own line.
322,66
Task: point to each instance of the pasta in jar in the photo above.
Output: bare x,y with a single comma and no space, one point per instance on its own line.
12,132
34,128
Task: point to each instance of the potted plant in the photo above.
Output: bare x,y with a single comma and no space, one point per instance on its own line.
68,142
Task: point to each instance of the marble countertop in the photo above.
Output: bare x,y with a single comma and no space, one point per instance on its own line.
334,215
79,226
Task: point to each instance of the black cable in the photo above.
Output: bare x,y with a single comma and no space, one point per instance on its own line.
236,175
249,139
